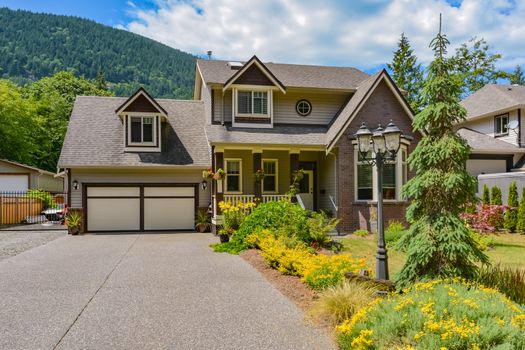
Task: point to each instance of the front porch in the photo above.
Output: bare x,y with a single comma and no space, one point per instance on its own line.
243,182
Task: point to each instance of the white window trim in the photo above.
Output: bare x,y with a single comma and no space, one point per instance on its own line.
276,161
226,160
498,120
253,88
399,178
144,146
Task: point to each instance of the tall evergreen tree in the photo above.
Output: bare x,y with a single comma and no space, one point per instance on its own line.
485,199
495,196
511,214
406,72
438,242
100,81
520,226
517,77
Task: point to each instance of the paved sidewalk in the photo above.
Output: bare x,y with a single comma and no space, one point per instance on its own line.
158,291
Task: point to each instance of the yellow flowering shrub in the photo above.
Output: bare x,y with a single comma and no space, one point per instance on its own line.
437,314
234,214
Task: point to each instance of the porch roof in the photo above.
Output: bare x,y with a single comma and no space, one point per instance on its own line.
278,135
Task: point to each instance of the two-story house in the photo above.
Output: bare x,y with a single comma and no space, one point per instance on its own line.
136,164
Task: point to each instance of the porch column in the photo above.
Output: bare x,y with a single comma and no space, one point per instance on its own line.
218,188
294,164
257,165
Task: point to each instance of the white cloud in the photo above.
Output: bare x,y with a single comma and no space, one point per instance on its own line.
329,32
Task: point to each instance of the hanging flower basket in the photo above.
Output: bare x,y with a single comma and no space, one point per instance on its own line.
207,174
259,176
219,174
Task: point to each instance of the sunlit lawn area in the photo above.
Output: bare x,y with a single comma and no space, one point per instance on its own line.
509,250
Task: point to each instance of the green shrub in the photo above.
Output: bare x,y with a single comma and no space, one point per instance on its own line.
325,271
511,214
484,241
437,315
485,199
394,232
340,302
509,281
495,196
520,226
45,197
361,233
319,227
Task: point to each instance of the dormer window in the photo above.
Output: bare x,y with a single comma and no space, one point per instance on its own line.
252,102
142,130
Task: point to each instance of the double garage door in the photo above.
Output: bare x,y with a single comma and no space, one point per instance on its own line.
140,207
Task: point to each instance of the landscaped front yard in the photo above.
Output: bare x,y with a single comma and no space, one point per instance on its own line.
508,250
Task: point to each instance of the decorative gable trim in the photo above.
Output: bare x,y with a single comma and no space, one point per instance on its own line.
254,61
382,76
141,93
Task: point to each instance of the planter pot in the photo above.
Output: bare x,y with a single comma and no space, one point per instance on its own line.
73,230
224,238
202,228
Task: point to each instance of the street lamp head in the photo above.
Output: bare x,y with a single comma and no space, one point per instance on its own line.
378,140
364,136
392,135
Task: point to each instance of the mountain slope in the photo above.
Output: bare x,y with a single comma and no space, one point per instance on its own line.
34,45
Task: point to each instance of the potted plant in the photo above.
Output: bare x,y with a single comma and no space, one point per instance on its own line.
224,235
73,222
207,174
259,176
202,222
219,174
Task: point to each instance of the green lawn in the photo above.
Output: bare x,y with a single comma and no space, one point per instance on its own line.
509,250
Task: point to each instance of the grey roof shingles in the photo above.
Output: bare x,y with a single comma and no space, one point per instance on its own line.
493,98
95,136
480,141
291,75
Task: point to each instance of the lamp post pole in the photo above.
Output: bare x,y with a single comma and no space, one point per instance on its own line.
382,256
384,143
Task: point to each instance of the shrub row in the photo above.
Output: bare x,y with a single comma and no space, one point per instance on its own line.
294,258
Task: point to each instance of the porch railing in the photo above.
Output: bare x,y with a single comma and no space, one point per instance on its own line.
236,198
274,197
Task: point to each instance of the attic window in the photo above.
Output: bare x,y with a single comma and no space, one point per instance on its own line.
142,130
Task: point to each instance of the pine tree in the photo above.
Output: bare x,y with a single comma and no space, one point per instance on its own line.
438,242
100,81
495,196
520,226
517,77
485,199
406,72
511,214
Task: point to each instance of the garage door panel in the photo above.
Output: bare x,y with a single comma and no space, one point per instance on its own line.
113,191
169,213
113,214
14,183
169,191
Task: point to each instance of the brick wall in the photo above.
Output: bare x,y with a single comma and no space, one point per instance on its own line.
381,107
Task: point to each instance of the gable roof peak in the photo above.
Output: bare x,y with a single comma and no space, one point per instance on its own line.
254,60
141,92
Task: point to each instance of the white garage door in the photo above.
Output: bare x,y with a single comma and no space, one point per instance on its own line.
119,208
14,183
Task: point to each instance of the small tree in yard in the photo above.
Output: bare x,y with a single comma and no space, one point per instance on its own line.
485,199
438,242
495,196
511,214
520,226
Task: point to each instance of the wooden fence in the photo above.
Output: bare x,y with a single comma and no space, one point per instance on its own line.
14,210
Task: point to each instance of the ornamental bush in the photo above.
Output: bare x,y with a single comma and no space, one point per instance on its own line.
520,226
511,214
437,315
495,196
485,199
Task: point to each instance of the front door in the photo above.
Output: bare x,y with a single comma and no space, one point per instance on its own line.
306,189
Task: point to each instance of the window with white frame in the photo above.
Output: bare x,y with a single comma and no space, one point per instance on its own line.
501,124
233,179
252,102
395,175
270,181
141,130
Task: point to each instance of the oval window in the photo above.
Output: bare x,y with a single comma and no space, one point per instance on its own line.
303,107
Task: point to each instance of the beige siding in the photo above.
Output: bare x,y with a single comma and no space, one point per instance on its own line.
134,176
206,97
219,107
50,183
486,126
486,166
324,106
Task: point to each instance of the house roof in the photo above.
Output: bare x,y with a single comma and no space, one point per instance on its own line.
493,98
254,61
95,136
278,135
141,92
290,75
28,167
481,142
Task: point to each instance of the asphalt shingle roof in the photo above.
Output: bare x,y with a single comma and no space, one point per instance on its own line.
493,98
291,75
95,136
480,141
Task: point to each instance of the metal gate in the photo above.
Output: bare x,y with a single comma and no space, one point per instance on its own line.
32,210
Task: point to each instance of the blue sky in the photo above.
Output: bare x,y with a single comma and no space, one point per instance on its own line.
335,32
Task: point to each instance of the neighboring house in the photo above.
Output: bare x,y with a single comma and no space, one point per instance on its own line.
16,177
136,164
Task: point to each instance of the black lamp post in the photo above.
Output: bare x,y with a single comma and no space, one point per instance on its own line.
384,144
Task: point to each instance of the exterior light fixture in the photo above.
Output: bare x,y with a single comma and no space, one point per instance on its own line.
204,185
76,185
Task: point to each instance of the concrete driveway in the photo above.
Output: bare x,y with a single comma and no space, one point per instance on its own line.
150,291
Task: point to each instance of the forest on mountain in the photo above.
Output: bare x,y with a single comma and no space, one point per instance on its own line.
37,45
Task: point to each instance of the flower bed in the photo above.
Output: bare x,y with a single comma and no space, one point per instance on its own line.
437,315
